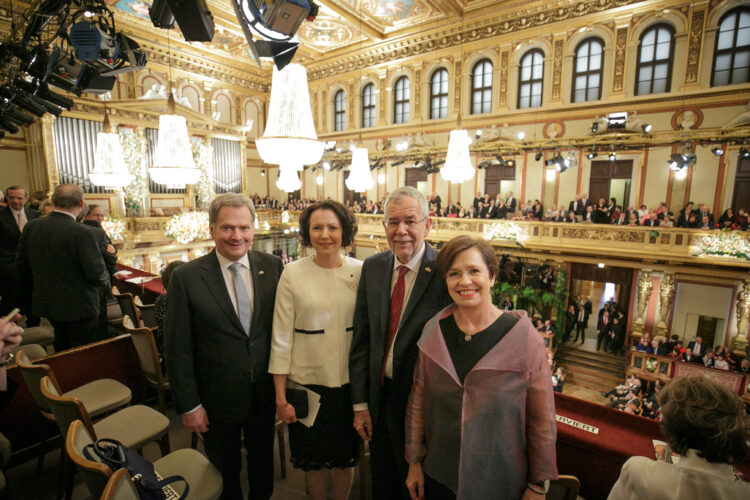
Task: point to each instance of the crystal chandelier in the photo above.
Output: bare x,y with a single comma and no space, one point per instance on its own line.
289,139
458,167
360,178
173,165
288,180
109,163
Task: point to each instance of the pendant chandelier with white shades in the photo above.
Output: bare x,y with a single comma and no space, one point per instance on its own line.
288,180
458,167
109,163
174,165
360,177
289,139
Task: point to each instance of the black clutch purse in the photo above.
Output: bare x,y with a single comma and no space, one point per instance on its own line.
298,399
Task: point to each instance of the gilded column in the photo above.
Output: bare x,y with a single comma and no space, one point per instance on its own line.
645,286
50,161
695,44
352,103
417,94
323,112
457,90
502,91
557,64
381,97
621,45
666,299
739,341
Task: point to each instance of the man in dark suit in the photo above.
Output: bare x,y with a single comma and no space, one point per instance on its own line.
582,321
511,203
584,204
399,290
13,219
94,215
575,205
697,348
218,336
59,260
492,211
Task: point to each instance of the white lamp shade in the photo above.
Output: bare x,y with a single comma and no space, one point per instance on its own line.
109,164
288,180
173,158
360,178
458,167
290,132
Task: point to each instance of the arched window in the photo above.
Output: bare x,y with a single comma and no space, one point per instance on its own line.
732,53
655,60
401,101
481,87
530,79
368,106
339,111
439,94
587,71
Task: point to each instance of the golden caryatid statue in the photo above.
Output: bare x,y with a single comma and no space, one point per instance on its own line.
666,298
645,286
739,342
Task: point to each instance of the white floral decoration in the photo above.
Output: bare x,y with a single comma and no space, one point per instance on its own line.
188,227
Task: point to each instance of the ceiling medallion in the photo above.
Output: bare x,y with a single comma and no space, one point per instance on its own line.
325,31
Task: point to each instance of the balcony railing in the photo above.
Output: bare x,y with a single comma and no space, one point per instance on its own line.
658,243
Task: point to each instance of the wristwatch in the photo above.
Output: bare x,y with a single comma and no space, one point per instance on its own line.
539,487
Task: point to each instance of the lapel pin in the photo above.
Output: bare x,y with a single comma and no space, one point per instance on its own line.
427,269
260,273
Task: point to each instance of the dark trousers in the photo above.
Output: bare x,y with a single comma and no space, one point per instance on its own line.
223,441
69,334
602,338
389,467
580,330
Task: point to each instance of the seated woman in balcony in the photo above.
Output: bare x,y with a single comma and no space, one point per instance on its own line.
707,425
633,219
727,219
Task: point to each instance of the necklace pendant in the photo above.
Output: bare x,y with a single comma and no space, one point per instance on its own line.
467,338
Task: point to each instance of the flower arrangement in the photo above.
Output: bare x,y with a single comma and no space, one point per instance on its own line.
725,243
188,227
134,151
203,154
504,230
114,227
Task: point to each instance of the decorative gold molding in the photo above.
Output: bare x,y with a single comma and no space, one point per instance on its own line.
557,69
457,88
509,22
417,92
618,82
503,77
694,47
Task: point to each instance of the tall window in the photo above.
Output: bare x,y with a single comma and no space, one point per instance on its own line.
439,94
481,87
368,106
655,60
587,72
339,111
732,53
530,79
401,101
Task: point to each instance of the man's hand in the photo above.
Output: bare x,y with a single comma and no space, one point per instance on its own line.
111,249
10,337
415,481
363,424
286,413
196,420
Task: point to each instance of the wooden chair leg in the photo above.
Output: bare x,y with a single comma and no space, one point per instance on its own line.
164,444
282,448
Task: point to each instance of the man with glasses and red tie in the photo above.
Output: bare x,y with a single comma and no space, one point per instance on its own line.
399,290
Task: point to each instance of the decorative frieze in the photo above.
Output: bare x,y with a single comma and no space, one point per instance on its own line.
557,63
621,41
502,97
695,42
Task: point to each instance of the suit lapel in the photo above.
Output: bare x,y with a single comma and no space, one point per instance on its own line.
424,276
11,221
256,274
217,287
385,272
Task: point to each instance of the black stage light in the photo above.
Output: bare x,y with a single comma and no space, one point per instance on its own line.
717,151
538,156
591,155
194,19
161,15
744,153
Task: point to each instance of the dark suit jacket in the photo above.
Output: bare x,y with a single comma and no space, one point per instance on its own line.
60,260
371,314
110,259
10,236
511,204
211,360
704,349
602,328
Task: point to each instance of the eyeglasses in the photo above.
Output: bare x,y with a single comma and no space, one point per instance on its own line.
394,224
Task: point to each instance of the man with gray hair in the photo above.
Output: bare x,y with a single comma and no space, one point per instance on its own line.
217,331
388,321
13,219
59,260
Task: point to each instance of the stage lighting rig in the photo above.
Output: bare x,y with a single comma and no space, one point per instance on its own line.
276,22
192,16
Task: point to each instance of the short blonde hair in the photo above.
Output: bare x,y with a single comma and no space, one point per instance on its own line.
229,200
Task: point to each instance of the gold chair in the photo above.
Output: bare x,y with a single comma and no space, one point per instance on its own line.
148,355
564,488
127,306
120,487
202,477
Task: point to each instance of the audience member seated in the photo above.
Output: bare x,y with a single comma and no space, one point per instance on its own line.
744,366
558,379
707,425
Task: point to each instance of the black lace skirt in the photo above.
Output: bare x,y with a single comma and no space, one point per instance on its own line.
332,441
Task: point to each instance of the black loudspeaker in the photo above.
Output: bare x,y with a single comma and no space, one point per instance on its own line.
194,19
161,15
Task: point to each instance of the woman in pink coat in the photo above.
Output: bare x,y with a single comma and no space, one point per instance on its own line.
481,416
